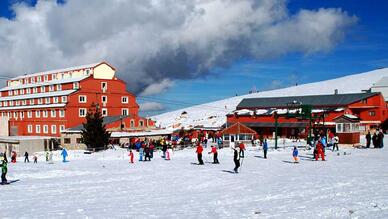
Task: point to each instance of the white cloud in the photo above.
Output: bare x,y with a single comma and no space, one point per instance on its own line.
151,41
151,106
157,88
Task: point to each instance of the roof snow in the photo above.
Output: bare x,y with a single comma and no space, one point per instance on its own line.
38,95
197,115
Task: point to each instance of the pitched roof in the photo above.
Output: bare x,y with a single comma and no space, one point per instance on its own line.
238,128
331,100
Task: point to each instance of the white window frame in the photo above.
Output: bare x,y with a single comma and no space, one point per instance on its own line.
62,113
37,128
59,87
51,88
32,101
21,114
53,129
76,85
124,110
28,90
82,110
45,78
29,114
47,100
106,99
124,99
62,128
37,114
40,101
42,89
29,128
84,97
141,123
53,113
64,99
104,112
45,113
104,85
45,129
55,100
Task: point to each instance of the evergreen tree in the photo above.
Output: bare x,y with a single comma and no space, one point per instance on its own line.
94,133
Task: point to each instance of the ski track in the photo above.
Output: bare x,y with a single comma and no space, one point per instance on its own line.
104,185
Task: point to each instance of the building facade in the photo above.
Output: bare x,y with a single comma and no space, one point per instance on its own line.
258,113
48,103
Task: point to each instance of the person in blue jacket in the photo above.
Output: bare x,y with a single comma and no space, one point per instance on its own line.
64,154
295,154
265,148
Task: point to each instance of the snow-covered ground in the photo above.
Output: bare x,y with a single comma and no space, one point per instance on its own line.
213,114
105,185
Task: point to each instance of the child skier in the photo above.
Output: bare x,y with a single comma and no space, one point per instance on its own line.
168,154
199,154
215,154
26,157
130,156
295,155
4,171
320,152
47,156
64,155
236,159
35,158
265,148
242,149
13,157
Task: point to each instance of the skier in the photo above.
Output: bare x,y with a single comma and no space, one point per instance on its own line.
242,149
168,154
141,153
26,157
199,153
13,157
51,158
147,153
215,154
265,148
5,157
35,158
64,155
236,159
320,152
336,141
374,140
368,139
152,148
164,149
380,137
4,171
295,154
130,156
47,156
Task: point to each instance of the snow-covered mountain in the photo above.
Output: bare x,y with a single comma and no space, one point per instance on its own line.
213,114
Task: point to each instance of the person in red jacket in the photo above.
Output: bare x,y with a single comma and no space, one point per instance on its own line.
130,156
320,152
215,154
199,154
242,149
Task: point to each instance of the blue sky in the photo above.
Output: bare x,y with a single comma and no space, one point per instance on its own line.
364,48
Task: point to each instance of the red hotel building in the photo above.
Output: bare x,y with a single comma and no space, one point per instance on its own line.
47,103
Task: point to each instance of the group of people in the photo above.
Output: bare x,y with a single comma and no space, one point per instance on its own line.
377,139
146,149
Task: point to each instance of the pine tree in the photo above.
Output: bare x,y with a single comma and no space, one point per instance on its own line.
94,133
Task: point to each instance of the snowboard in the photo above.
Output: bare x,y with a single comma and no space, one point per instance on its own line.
11,181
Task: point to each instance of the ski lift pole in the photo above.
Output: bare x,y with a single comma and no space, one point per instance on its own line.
276,129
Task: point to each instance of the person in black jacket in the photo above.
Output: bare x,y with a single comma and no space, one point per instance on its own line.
26,157
236,159
380,138
368,139
375,140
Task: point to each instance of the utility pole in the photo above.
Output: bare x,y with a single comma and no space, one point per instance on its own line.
276,129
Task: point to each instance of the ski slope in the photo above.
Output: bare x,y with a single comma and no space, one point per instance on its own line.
105,185
213,114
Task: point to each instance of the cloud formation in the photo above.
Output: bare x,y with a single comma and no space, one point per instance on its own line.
151,106
155,42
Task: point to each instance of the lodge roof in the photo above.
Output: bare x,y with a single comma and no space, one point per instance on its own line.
330,100
238,128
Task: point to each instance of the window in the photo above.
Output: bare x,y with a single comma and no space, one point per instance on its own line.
104,99
29,114
132,123
15,115
364,101
5,103
124,99
39,79
28,90
15,92
124,112
47,100
51,88
21,115
82,112
54,76
45,114
37,128
104,85
59,86
10,102
17,102
55,100
64,99
372,113
32,80
45,129
40,101
61,113
75,85
62,128
42,89
82,99
9,114
10,93
53,113
66,141
45,77
21,91
32,102
37,114
141,123
53,129
35,90
24,102
29,128
78,140
226,137
104,112
87,71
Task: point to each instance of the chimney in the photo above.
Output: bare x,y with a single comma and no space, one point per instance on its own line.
335,91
